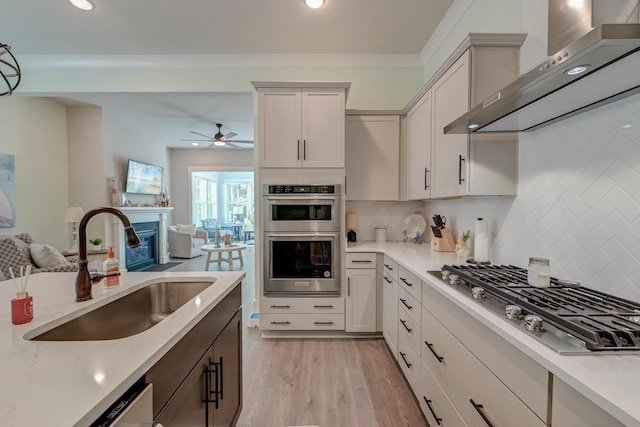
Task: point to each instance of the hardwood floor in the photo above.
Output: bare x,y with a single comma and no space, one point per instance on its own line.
317,382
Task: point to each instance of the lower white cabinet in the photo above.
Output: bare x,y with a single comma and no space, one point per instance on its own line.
572,409
307,313
435,404
360,310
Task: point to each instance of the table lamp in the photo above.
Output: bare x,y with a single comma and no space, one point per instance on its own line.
351,223
74,216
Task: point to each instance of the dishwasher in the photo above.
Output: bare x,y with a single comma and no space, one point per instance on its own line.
133,409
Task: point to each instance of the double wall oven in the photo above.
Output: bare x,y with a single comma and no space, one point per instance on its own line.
301,227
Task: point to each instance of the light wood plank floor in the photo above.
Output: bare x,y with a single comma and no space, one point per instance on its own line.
317,382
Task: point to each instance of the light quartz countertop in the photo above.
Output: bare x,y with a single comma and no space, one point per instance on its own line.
73,383
609,381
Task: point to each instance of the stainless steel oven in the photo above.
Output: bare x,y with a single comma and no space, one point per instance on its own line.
301,244
305,208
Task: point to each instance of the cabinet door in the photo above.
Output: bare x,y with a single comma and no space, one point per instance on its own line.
418,153
572,409
227,353
450,101
361,300
373,157
323,128
279,121
390,312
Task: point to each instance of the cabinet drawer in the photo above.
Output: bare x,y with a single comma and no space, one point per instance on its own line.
435,404
572,409
468,383
361,260
521,374
409,361
390,268
408,327
409,304
410,282
302,305
286,321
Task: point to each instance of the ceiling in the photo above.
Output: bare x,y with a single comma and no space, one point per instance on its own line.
51,28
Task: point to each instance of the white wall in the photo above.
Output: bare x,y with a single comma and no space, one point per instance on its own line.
35,132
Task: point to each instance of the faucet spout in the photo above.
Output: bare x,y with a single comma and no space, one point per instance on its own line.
84,280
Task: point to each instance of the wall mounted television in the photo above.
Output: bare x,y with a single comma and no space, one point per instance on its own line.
143,178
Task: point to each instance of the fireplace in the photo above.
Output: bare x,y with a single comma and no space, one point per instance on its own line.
139,215
146,255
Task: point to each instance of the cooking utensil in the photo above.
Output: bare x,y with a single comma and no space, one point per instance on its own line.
436,231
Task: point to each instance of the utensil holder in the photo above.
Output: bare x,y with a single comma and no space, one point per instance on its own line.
444,243
21,309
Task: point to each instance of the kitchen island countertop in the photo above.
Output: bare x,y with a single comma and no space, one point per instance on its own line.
609,381
72,383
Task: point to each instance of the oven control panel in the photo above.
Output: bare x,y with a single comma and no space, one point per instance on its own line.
301,189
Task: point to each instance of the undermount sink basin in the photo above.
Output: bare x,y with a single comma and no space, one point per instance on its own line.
127,316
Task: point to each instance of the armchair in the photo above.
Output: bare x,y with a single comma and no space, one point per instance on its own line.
185,241
14,252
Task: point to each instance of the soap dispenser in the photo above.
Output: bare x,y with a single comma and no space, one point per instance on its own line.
111,269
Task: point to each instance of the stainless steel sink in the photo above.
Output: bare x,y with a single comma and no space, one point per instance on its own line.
127,316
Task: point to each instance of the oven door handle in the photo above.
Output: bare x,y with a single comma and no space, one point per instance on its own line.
298,235
294,199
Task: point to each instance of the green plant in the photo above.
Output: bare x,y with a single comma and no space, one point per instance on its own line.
97,241
466,235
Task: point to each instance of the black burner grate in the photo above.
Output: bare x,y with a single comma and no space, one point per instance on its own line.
602,321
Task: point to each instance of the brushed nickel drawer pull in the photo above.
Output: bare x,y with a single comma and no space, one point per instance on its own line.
280,306
323,323
275,322
322,306
431,409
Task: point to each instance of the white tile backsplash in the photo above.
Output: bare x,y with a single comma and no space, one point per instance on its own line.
381,214
578,201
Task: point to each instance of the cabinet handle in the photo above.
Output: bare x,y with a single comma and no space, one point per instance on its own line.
280,306
432,411
481,412
276,322
298,149
322,306
304,150
221,377
323,323
440,359
388,267
387,279
348,286
460,178
362,260
213,395
404,301
404,323
405,360
426,180
405,281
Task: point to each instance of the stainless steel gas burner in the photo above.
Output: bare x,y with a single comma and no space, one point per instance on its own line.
567,317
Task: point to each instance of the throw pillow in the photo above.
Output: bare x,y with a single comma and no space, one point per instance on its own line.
187,228
46,255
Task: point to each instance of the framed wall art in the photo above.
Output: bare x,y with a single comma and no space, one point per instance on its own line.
7,190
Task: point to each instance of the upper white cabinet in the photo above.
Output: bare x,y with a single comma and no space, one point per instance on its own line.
465,164
301,126
418,150
373,157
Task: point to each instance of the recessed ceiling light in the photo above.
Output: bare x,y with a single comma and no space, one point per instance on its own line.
314,4
579,69
195,144
473,126
83,4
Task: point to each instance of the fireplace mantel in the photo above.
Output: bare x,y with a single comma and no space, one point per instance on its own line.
142,214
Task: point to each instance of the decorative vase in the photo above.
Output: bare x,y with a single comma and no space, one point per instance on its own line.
96,247
462,250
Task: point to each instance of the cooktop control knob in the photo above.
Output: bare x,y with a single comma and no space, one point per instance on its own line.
445,274
513,311
533,323
477,292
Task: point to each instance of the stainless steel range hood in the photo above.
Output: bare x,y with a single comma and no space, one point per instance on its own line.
551,92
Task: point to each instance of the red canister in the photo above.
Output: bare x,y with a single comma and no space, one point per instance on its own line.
21,309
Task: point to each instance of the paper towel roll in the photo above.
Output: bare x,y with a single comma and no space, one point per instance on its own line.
481,244
381,234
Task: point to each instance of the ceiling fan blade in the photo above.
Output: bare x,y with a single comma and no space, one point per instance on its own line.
201,134
229,135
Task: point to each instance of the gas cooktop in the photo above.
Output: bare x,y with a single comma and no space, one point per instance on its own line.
569,318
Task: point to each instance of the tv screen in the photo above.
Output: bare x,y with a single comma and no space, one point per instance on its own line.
143,178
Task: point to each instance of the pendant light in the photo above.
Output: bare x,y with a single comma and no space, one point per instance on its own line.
9,70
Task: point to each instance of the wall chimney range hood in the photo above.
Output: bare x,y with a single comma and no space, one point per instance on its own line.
599,67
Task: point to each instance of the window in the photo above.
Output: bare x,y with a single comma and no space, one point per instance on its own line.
239,201
205,198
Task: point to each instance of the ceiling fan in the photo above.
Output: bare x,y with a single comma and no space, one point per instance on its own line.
221,140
